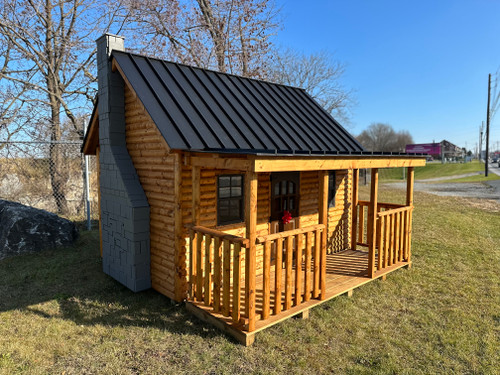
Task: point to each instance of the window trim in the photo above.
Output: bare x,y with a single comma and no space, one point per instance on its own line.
241,198
332,189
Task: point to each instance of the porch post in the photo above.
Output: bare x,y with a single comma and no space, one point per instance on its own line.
354,203
323,219
250,254
372,220
409,202
194,283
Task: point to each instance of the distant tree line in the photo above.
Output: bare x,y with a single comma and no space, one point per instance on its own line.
382,137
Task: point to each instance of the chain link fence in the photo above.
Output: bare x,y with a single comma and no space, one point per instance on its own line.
51,176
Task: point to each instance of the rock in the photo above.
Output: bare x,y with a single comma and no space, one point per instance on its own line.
26,229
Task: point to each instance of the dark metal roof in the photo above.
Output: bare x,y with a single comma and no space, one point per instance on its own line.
202,110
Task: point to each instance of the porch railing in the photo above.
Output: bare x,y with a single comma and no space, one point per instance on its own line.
393,230
293,272
299,268
215,271
392,236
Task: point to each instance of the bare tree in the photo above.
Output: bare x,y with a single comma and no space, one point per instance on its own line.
320,74
232,36
48,66
382,137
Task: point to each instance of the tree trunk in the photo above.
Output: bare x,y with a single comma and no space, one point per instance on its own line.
58,176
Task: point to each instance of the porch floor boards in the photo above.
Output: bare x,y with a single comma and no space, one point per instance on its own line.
345,271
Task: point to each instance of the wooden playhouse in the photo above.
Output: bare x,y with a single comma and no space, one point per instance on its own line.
236,195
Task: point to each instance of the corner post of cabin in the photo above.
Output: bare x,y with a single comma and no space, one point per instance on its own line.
193,246
250,254
372,221
409,202
323,219
355,193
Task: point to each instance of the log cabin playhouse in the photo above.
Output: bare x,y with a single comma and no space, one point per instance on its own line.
235,195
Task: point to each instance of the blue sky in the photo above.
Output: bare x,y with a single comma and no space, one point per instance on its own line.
420,66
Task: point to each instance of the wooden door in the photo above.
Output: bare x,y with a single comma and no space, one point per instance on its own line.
284,196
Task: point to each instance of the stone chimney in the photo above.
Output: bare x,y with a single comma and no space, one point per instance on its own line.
124,206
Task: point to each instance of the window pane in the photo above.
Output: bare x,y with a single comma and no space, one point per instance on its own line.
236,181
235,191
277,188
292,203
223,209
291,188
283,187
277,204
285,206
224,181
224,192
234,208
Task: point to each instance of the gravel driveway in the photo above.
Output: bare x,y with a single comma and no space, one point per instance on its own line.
486,190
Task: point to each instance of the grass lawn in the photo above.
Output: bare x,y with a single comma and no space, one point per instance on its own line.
436,169
60,314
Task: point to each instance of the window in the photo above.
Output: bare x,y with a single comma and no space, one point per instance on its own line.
331,189
229,199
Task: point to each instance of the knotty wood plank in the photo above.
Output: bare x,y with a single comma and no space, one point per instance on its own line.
226,282
267,280
372,217
207,293
251,182
236,283
316,267
278,267
298,270
217,272
307,266
199,271
288,272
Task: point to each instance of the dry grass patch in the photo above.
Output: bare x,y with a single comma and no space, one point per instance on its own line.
60,313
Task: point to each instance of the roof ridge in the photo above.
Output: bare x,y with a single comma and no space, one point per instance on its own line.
206,69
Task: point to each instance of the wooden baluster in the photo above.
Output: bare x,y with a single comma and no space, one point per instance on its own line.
361,229
307,266
298,270
288,272
226,282
236,282
387,225
267,280
323,265
354,209
380,227
401,235
316,267
208,271
405,248
396,228
393,236
199,272
409,202
192,264
217,272
278,272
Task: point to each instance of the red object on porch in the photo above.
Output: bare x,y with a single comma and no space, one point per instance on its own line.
287,217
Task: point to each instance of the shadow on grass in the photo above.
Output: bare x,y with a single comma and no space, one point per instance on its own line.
69,284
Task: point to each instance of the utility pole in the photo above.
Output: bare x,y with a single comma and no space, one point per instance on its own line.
487,129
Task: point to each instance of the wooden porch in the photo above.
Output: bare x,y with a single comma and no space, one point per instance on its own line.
228,288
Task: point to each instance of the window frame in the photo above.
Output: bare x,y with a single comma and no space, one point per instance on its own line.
332,188
225,221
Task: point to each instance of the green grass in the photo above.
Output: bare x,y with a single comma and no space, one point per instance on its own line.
434,170
60,314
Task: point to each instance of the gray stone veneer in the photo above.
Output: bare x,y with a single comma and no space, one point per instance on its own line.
124,206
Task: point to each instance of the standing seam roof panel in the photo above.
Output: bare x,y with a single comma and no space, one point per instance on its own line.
239,140
199,105
294,129
197,109
314,143
329,135
267,127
